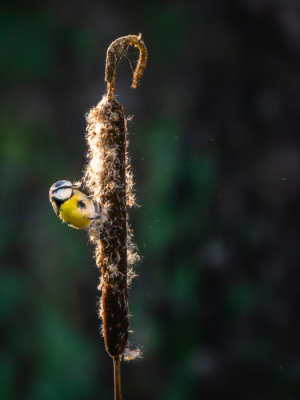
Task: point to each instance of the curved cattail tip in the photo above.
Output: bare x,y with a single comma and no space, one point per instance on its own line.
135,83
111,59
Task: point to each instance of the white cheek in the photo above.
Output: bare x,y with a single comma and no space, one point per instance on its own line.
63,194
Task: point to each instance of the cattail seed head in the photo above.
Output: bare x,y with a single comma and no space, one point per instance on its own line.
108,178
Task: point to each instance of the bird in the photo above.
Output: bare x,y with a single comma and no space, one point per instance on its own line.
71,205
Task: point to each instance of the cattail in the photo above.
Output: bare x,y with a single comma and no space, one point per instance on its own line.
108,179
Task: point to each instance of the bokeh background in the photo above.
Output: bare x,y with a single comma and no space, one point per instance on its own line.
215,151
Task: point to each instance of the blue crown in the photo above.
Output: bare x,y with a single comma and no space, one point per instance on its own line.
61,184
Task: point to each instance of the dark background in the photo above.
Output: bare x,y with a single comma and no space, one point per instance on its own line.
215,151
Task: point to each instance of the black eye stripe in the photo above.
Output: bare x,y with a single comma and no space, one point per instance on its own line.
61,187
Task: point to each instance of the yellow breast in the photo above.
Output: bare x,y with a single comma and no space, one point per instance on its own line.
74,214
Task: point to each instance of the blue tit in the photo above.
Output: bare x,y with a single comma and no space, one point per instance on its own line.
72,206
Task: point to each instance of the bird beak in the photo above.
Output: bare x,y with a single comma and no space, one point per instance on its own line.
76,185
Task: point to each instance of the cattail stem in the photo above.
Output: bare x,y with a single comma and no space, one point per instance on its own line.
117,378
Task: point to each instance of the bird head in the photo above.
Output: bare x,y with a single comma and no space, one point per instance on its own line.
62,190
